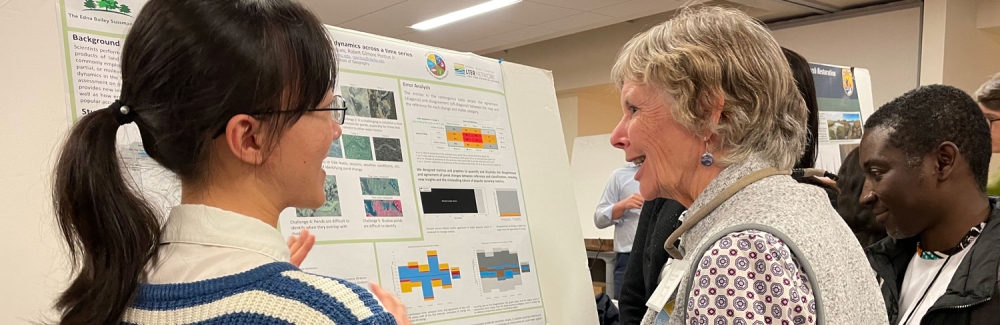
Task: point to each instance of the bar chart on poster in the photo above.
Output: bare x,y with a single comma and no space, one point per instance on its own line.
477,277
426,277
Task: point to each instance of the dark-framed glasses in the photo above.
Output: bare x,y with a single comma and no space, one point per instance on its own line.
338,110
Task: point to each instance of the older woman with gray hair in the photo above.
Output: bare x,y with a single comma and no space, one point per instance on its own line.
712,115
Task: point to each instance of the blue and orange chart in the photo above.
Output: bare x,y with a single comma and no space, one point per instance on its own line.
427,276
500,270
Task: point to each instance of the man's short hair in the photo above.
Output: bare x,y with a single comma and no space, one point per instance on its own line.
921,119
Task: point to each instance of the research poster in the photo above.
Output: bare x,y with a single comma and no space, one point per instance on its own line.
840,113
93,32
423,190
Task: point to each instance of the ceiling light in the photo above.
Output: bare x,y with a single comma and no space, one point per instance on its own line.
462,14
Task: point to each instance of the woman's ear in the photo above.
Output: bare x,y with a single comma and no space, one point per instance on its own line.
718,102
712,103
244,138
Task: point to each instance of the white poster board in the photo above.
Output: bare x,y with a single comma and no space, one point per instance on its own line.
593,161
427,193
844,95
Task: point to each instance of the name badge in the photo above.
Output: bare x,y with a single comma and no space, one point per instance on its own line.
670,278
663,318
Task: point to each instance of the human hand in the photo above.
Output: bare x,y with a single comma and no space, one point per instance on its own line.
391,304
632,202
827,182
299,246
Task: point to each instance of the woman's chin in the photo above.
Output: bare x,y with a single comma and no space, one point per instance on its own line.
313,203
648,194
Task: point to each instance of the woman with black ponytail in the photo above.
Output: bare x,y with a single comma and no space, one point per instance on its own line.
234,97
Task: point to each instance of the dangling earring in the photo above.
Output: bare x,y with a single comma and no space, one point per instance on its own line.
707,159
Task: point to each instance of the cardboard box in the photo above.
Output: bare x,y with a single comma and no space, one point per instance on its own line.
599,287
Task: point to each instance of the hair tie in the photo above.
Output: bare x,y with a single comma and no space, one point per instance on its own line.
123,114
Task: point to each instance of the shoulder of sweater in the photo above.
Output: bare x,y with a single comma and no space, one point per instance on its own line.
361,302
778,192
276,290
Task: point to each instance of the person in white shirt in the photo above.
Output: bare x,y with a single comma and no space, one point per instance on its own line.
620,206
236,99
926,157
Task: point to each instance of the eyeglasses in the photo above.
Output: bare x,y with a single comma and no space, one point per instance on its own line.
338,107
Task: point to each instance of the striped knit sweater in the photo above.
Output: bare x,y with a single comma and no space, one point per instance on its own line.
276,293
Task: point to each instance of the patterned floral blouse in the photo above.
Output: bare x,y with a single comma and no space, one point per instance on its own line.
750,278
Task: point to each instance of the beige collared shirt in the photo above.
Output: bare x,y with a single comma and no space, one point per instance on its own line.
201,242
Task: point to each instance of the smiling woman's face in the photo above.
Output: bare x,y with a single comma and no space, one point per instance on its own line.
651,137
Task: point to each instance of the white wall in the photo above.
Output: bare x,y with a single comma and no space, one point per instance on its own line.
955,51
582,59
594,159
887,44
971,55
569,116
988,16
32,121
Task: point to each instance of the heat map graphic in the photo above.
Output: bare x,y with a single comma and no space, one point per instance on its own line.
471,137
427,276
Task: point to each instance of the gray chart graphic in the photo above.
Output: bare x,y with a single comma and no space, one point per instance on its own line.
508,203
500,270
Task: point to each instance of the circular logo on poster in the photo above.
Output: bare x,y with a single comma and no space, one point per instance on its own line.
436,65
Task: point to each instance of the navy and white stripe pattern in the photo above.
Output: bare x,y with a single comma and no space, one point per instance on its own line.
276,293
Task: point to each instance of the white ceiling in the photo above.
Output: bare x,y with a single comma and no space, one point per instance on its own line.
528,21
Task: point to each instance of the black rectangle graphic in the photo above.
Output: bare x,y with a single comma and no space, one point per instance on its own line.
449,201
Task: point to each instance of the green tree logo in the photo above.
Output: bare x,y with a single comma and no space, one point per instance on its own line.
108,6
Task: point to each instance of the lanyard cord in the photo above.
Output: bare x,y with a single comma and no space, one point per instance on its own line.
924,295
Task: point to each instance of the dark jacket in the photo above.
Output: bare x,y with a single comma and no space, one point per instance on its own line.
607,313
972,296
657,220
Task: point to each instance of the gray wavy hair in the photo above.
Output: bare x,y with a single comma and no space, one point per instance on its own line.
710,52
988,94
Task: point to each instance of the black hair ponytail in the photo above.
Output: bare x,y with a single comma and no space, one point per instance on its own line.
111,231
188,67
